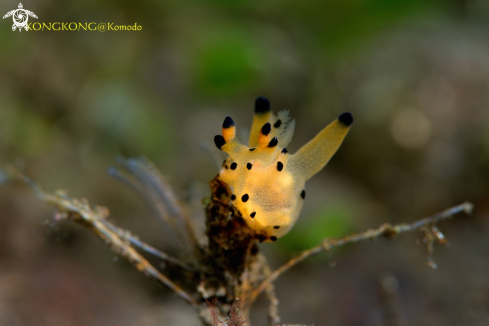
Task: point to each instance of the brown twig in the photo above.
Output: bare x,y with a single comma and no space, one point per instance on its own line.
387,230
95,219
230,265
128,236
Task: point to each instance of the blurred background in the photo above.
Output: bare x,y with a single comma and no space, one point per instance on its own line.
414,73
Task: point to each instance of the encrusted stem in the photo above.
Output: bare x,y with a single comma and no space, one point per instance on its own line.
387,230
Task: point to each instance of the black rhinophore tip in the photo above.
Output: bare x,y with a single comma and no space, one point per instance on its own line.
346,118
228,122
262,105
273,142
265,130
219,141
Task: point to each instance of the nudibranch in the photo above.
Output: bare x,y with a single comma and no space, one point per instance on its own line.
267,181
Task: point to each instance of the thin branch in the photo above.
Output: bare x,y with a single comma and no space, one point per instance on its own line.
128,236
95,219
387,230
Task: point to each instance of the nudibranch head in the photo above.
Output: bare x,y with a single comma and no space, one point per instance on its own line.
268,182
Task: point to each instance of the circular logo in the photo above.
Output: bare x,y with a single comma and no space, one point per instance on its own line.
20,17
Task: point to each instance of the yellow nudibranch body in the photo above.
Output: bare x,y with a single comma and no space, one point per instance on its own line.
267,182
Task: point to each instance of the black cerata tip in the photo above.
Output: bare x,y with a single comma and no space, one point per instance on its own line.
228,122
346,118
273,142
265,130
219,141
262,105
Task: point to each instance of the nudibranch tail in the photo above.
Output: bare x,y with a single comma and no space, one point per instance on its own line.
314,155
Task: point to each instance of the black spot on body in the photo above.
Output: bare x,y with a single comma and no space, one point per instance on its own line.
228,122
278,123
245,198
265,130
253,214
252,149
249,166
273,142
280,166
273,238
276,227
233,197
234,165
303,194
219,141
346,118
284,150
262,105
